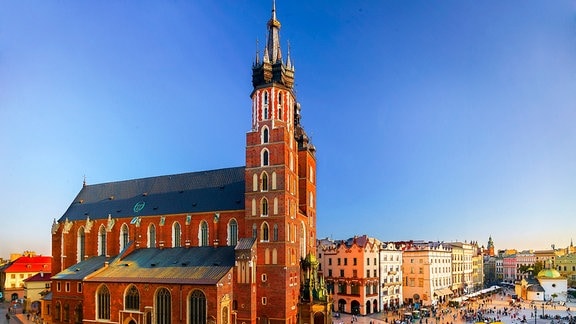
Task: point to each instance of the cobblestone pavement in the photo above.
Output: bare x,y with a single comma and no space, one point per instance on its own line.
496,303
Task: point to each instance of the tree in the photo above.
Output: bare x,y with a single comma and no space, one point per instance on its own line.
538,266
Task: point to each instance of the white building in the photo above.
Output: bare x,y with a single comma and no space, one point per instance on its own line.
555,285
390,276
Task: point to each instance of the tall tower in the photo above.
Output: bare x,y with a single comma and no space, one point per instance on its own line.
280,183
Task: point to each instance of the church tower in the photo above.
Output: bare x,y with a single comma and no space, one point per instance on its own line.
280,195
490,246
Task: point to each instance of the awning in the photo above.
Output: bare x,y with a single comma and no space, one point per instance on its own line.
443,292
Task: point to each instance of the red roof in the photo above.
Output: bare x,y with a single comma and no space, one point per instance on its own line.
39,277
33,264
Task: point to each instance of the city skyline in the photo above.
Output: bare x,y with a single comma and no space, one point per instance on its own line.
436,121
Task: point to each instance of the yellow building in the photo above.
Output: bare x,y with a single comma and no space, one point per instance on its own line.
427,271
566,266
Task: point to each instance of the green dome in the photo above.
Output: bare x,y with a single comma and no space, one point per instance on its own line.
549,273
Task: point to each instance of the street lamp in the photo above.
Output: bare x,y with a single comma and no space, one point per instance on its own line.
535,313
542,310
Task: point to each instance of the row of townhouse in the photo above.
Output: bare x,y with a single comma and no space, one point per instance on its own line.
366,275
510,266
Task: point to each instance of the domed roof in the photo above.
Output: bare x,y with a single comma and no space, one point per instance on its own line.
549,273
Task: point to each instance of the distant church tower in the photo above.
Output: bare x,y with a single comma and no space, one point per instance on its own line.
490,247
280,196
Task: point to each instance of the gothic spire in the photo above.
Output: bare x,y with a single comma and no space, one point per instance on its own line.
288,60
273,43
271,69
257,59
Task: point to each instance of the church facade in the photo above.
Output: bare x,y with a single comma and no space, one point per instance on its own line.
230,245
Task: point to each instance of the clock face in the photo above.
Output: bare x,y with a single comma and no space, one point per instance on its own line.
139,206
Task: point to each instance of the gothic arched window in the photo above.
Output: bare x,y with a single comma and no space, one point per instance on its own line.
264,180
176,235
232,232
81,244
102,240
124,237
280,105
132,298
264,207
57,311
197,310
265,157
103,303
275,233
78,314
163,306
265,136
151,236
265,233
203,234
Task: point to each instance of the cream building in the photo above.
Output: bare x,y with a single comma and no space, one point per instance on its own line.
35,288
462,268
427,271
499,268
390,276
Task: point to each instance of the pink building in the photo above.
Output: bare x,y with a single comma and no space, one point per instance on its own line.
350,269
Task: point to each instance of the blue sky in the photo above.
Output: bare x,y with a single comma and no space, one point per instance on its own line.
433,120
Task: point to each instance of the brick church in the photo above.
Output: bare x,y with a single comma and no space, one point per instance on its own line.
233,245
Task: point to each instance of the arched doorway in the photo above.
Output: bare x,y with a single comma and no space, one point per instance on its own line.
319,318
355,307
342,306
368,307
375,306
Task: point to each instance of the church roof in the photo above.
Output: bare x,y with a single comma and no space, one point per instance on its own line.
82,269
213,190
535,288
193,265
549,273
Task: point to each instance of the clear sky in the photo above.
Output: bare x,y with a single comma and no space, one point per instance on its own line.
433,120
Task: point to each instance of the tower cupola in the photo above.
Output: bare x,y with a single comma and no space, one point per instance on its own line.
271,69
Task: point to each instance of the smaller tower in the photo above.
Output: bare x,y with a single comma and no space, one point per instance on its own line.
490,246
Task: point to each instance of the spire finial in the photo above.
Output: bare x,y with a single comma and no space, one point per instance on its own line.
273,43
84,182
257,60
288,60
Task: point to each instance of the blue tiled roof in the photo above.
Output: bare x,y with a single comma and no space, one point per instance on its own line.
82,269
214,190
193,265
